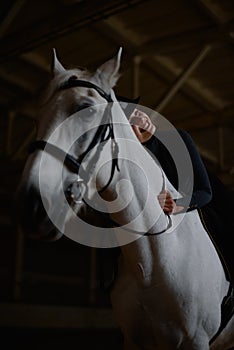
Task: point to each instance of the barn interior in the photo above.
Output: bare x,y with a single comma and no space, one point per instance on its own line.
178,55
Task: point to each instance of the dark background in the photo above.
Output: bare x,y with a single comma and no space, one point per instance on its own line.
178,56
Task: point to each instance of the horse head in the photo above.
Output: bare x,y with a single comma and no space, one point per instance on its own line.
68,120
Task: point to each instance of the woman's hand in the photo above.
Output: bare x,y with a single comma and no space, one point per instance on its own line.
142,125
168,204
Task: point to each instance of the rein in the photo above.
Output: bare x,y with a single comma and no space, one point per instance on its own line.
105,132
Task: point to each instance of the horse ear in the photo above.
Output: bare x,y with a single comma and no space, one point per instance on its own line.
56,66
108,72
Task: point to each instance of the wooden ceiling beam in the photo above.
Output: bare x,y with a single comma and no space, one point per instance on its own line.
215,10
114,30
223,118
81,14
70,19
36,60
193,87
183,77
215,35
11,15
16,81
160,65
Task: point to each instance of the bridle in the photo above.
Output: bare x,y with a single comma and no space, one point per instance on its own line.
105,131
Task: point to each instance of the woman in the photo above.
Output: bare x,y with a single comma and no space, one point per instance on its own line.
202,194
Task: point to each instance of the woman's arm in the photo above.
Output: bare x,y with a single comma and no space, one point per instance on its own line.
202,193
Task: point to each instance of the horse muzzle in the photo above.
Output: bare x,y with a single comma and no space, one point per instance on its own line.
31,215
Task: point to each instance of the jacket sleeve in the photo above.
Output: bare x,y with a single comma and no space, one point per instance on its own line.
202,193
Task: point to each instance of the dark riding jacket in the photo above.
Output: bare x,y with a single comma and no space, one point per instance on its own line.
201,188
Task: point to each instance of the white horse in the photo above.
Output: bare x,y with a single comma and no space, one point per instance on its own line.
170,286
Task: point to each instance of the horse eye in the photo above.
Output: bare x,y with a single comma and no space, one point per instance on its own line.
88,111
86,107
91,110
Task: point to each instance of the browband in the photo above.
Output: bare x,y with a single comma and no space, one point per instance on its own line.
130,103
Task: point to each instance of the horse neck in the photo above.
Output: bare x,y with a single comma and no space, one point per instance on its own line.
139,182
132,197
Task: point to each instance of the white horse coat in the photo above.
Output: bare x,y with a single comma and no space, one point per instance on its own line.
170,286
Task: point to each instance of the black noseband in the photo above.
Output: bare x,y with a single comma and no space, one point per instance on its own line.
72,163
